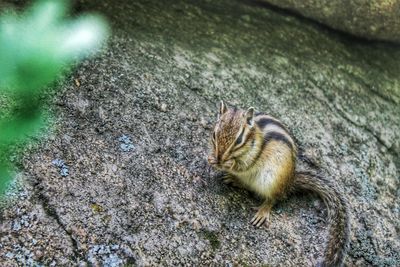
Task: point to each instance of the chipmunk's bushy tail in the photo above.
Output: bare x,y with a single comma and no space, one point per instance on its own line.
339,228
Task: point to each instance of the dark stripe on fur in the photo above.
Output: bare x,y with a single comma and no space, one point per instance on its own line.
269,137
277,137
339,228
263,122
248,136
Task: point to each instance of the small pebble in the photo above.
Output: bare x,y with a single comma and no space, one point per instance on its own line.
38,254
77,83
204,123
163,107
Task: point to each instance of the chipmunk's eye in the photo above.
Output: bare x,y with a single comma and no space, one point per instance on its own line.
240,138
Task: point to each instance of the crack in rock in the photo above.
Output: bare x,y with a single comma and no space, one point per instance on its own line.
336,109
51,212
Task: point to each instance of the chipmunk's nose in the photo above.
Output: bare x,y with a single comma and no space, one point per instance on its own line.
212,160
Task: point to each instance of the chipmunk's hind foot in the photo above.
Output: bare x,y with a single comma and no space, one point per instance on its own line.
262,216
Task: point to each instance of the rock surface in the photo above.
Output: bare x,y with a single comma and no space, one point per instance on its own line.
133,134
371,19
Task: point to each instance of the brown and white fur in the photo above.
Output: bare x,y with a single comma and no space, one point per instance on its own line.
257,152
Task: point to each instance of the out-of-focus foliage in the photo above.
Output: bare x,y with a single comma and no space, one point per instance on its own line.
36,47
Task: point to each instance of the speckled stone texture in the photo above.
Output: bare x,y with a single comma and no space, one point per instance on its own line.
133,134
370,19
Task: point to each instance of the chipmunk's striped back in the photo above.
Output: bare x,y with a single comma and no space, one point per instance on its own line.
274,130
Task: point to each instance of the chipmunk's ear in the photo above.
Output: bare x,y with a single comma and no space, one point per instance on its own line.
250,116
222,108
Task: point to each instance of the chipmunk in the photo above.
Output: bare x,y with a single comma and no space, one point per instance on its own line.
256,151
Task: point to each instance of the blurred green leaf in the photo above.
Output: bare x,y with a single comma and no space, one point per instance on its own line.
18,129
83,36
46,14
5,177
36,47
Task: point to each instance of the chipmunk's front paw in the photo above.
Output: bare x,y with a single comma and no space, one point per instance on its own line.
231,180
228,179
